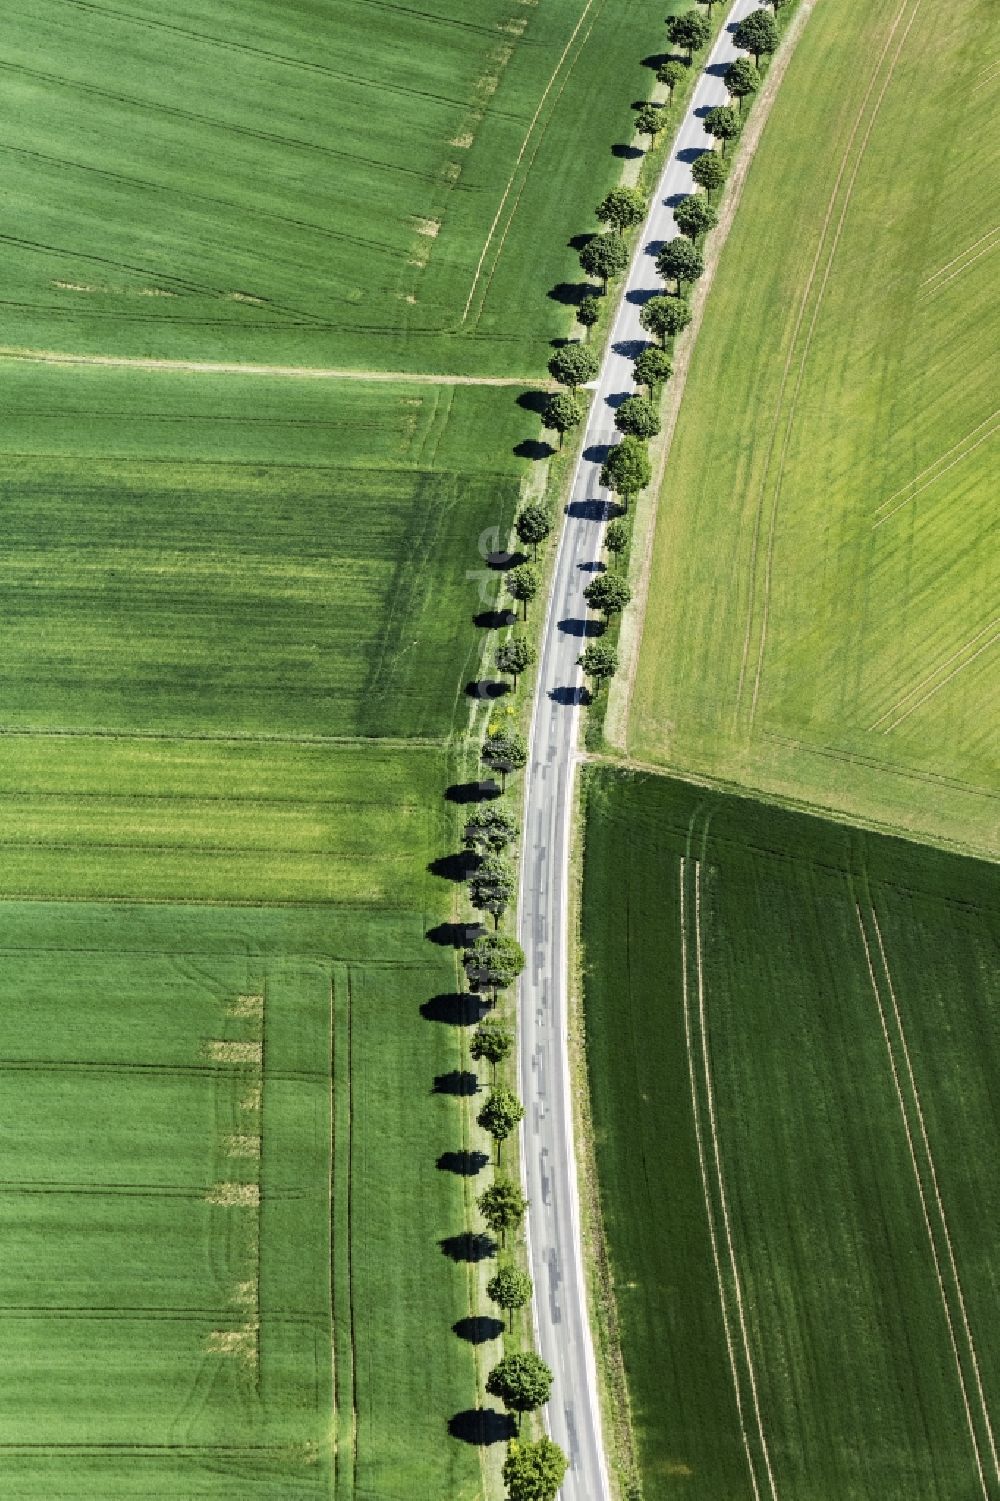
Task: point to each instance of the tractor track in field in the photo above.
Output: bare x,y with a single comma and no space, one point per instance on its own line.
288,372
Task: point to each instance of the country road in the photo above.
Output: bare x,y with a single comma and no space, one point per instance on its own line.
554,1246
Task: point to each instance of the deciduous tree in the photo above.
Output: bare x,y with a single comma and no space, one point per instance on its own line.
622,208
599,662
670,74
757,33
723,123
609,593
492,1042
563,411
616,537
574,365
510,1289
652,367
502,1206
493,962
492,886
709,171
649,121
627,468
664,317
523,584
502,1114
588,313
522,1381
689,30
534,1471
742,79
694,216
505,750
604,256
515,656
534,523
681,260
489,829
638,417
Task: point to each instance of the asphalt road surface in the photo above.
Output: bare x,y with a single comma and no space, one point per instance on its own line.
554,1248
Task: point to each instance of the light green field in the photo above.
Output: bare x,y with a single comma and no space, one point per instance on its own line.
793,1052
207,1121
822,617
317,183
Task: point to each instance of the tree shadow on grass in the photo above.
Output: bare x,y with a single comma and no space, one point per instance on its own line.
465,1164
461,1082
468,1246
487,688
533,448
625,153
457,867
534,401
569,293
473,792
494,620
482,1425
456,1010
479,1329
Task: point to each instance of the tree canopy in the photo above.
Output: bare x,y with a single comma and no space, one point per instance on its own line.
681,260
502,1206
609,593
604,256
742,79
638,416
709,171
694,215
489,828
616,537
502,1114
534,522
652,366
505,750
588,313
493,962
723,123
757,33
514,656
689,30
563,410
627,468
509,1288
522,1381
670,73
523,583
622,208
599,661
649,120
574,365
665,316
534,1471
492,1042
492,886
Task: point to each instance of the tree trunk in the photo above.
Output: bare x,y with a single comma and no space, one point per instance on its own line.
496,921
510,1321
524,607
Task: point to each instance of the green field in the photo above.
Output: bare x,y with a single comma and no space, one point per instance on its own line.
794,1051
354,182
822,617
202,1290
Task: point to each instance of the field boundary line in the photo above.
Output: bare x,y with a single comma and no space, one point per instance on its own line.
817,305
933,465
932,1167
520,157
706,1192
284,372
935,477
710,1098
933,673
923,1200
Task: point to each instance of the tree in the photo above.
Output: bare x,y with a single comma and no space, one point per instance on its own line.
489,829
523,583
502,1113
522,1381
670,74
574,365
709,171
563,411
742,79
690,30
616,537
599,662
694,216
649,121
588,313
502,1206
627,469
665,317
622,208
757,33
505,751
491,886
609,593
604,256
681,260
493,962
708,3
534,523
515,656
723,123
509,1288
637,416
492,1042
534,1471
652,367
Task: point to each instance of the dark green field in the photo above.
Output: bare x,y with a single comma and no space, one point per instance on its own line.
794,1053
317,182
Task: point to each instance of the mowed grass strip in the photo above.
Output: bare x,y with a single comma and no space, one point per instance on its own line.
805,1277
193,1108
232,555
822,617
313,183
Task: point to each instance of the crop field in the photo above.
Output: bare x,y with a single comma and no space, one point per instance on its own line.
319,183
794,1051
206,1118
823,618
